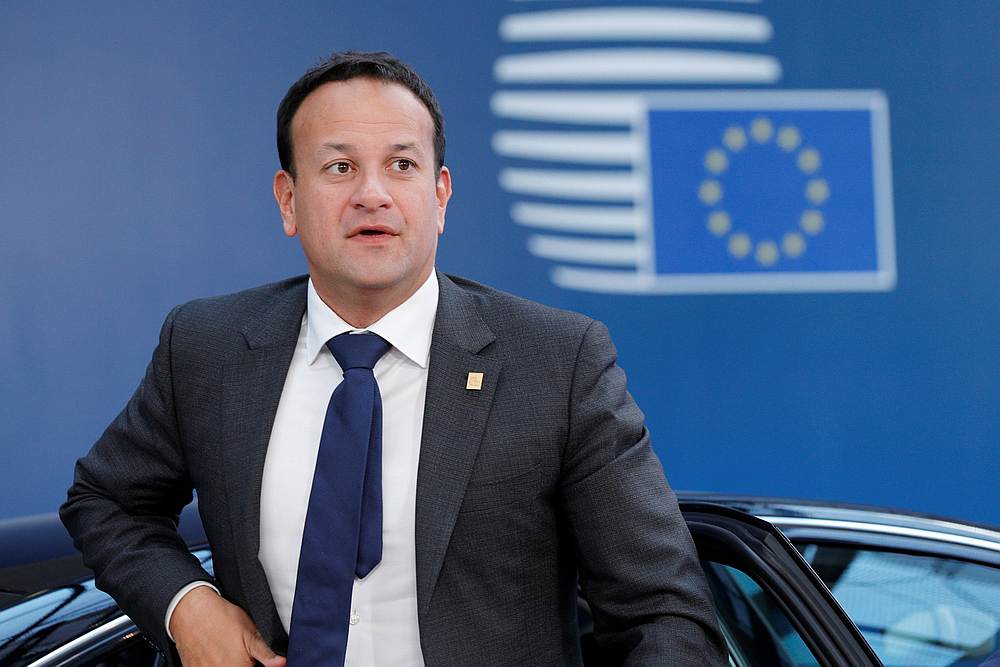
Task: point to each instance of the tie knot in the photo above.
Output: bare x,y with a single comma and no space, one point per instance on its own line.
357,350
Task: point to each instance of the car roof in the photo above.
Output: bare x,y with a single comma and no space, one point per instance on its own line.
816,515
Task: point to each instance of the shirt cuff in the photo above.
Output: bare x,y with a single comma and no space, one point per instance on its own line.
177,598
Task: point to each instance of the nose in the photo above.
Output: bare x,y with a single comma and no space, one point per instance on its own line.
371,193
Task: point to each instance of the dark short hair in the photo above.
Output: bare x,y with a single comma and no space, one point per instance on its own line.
346,65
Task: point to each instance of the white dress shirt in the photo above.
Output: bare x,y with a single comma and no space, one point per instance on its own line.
383,625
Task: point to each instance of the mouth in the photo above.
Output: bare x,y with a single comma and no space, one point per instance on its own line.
372,232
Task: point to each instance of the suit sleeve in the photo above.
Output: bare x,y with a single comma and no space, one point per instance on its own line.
125,502
638,566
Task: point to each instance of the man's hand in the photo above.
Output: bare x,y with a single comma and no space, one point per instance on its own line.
208,630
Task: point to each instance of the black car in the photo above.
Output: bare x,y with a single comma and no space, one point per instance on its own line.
923,590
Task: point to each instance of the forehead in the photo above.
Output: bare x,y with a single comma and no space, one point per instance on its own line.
361,107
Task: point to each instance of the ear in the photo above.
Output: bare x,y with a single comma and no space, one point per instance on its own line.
443,194
284,194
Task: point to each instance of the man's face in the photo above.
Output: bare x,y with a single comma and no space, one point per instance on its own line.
366,202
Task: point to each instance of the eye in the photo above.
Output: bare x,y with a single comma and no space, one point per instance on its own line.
340,167
402,164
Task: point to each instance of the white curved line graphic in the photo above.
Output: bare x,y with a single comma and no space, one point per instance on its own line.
635,23
580,219
611,186
609,253
637,66
622,148
586,108
632,282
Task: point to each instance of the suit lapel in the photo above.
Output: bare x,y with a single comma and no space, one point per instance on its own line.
252,384
454,421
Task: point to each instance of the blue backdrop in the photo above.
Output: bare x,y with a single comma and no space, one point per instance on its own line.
137,157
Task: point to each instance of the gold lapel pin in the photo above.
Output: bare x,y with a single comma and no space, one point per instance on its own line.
475,381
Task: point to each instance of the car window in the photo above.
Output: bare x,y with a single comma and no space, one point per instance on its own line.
757,631
915,610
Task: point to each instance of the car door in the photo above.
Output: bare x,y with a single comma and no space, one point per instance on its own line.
772,607
773,610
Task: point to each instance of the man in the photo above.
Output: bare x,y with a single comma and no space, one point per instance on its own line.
515,463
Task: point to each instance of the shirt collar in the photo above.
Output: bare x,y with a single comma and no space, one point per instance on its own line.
407,327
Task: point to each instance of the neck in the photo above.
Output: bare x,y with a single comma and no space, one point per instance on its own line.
363,307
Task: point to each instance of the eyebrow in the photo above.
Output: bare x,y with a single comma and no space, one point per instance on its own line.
340,148
406,147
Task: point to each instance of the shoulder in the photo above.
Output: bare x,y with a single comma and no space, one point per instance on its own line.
520,324
246,302
275,305
503,308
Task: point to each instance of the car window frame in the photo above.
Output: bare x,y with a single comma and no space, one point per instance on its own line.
731,537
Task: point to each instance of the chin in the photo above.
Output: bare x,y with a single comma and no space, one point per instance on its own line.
377,280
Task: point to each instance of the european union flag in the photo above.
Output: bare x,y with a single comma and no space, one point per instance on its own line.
791,184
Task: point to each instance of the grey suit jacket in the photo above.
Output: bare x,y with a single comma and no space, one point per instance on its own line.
543,475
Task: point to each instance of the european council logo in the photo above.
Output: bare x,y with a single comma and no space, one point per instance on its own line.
654,191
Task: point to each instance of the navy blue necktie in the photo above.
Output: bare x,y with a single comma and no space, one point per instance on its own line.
343,531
